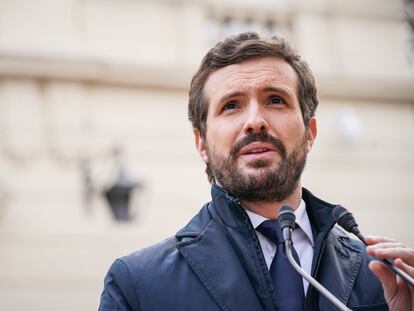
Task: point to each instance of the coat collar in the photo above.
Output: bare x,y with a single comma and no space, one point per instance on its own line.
221,247
234,216
226,255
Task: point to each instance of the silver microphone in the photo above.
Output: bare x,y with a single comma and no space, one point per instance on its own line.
287,223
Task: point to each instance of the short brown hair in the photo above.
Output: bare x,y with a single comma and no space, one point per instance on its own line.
237,49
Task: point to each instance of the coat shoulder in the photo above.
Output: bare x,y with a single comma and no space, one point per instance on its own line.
153,255
121,283
134,280
161,253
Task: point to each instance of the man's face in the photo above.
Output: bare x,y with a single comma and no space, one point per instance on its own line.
256,141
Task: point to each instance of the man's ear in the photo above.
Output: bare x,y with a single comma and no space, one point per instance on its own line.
312,131
200,145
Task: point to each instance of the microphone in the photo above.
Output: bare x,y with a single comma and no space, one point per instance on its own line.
346,220
287,223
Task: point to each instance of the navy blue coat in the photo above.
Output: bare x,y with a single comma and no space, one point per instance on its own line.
216,263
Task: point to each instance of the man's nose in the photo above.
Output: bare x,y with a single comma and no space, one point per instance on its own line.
255,121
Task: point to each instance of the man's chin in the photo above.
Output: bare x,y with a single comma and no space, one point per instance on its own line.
259,174
258,166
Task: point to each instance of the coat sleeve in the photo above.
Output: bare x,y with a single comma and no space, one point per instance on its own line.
119,292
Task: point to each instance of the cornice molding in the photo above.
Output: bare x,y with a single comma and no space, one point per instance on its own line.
178,77
94,71
381,9
384,9
365,89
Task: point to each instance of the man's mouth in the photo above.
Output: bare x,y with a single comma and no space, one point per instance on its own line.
257,148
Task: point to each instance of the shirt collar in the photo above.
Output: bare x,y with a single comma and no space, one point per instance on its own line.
302,220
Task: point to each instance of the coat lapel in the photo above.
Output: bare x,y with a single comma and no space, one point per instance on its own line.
340,260
212,258
335,263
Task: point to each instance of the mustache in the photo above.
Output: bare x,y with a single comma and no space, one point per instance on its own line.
260,137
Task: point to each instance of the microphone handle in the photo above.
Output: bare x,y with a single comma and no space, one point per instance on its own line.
311,280
389,263
397,271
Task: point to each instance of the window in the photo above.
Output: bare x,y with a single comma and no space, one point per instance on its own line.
219,27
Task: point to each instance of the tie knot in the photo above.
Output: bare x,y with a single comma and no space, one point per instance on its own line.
271,230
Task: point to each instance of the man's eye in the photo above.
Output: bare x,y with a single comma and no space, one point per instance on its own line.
276,100
229,106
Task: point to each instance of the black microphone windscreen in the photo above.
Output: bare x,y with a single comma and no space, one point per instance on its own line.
344,218
286,217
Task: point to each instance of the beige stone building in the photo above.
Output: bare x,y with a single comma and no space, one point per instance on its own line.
82,78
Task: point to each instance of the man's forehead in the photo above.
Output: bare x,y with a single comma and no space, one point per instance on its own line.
260,72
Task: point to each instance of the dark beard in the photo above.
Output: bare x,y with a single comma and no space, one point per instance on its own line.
274,184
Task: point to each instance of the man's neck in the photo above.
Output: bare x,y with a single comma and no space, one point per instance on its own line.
270,210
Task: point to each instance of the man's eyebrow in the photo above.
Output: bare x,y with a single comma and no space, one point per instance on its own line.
230,95
282,90
278,90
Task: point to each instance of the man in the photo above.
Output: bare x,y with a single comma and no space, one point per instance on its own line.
252,104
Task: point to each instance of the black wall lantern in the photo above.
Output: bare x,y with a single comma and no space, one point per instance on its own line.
119,196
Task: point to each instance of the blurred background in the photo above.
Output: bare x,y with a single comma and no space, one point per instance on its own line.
96,149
